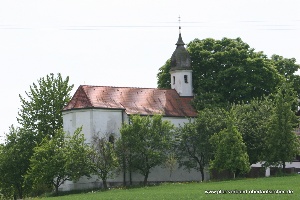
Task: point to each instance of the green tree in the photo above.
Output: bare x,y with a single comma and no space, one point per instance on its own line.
40,111
6,189
76,152
231,153
287,67
150,139
14,162
193,147
226,71
252,119
123,150
283,143
164,76
59,159
171,163
104,159
39,116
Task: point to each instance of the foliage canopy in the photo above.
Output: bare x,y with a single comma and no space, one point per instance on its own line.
283,143
251,120
149,139
14,162
103,158
193,147
40,111
59,159
231,153
229,71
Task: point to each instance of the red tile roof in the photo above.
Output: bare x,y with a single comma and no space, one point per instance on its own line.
143,101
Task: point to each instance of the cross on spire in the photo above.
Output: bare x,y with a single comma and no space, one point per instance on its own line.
179,20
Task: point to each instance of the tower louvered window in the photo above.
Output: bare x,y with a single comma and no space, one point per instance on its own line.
185,78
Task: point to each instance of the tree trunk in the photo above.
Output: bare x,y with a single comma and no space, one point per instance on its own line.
201,165
124,178
233,175
104,184
130,177
202,173
130,167
20,195
283,166
146,178
56,189
20,192
124,171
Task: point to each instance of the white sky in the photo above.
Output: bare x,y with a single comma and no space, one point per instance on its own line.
124,42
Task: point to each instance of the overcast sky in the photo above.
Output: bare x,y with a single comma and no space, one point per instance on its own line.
124,42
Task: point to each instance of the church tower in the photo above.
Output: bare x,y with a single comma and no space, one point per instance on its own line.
181,70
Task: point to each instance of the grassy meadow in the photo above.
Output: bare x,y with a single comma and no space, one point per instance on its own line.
200,190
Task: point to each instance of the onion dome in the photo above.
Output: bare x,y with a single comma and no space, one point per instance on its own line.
180,59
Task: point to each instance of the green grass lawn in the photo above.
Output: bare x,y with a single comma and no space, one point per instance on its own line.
197,190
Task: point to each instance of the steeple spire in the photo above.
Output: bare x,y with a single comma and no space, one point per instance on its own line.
179,24
181,70
180,41
180,58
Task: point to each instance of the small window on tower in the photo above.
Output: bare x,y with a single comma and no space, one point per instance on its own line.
185,78
173,80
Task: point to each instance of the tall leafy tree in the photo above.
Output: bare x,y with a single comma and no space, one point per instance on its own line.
103,158
226,71
251,120
288,67
41,108
40,115
149,138
59,159
164,76
231,153
285,66
193,148
283,143
14,162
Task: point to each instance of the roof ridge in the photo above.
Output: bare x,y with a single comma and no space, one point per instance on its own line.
143,101
125,87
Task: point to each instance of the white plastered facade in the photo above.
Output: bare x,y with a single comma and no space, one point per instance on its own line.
181,81
106,122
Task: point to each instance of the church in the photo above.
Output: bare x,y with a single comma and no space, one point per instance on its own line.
101,110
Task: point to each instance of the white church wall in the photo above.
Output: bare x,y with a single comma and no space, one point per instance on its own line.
105,122
101,122
92,182
162,174
179,120
77,118
178,82
157,174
